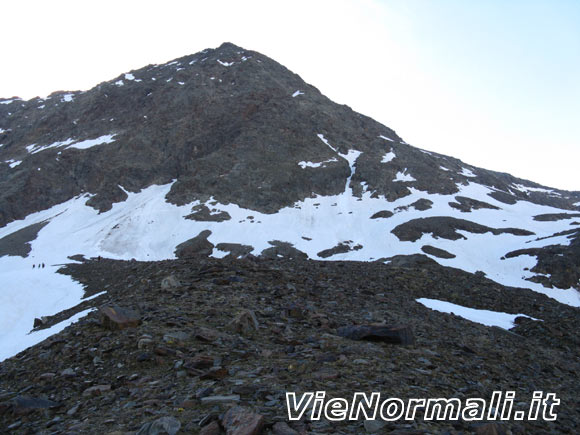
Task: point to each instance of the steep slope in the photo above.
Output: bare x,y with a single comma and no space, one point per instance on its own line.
226,152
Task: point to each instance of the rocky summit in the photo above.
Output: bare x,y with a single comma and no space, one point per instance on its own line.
184,244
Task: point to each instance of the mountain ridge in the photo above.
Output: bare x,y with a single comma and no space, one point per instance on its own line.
178,129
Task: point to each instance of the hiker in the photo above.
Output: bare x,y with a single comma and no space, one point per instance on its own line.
33,266
43,265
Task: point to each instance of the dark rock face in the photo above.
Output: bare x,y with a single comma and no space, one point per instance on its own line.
203,213
235,250
446,227
559,264
339,249
114,317
551,217
421,205
199,245
467,204
437,252
383,214
283,250
18,243
225,123
388,334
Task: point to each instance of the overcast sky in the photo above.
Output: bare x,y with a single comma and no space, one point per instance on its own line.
495,83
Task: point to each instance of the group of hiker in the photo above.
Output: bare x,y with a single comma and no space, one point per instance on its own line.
41,265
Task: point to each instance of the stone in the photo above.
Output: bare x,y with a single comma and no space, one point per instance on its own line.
114,317
374,426
161,426
199,362
170,282
47,376
24,404
437,252
241,421
199,245
489,429
73,410
176,337
220,399
144,343
68,373
212,428
282,428
96,390
245,323
38,322
383,214
377,332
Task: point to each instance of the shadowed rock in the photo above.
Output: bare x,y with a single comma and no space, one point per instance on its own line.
388,334
437,252
383,214
446,227
202,213
241,421
341,248
199,245
283,250
113,317
465,204
18,243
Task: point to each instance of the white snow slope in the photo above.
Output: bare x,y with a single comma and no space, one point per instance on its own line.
147,227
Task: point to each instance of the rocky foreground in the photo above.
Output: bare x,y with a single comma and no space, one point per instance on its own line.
211,346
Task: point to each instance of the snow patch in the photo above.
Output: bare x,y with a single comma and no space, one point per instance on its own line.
388,157
129,76
323,139
13,163
33,149
67,98
527,189
304,164
386,138
467,173
484,317
119,83
295,94
404,176
225,63
71,143
89,143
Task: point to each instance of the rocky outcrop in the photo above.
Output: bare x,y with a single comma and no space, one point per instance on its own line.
199,245
436,252
466,205
557,265
224,123
18,242
340,248
446,227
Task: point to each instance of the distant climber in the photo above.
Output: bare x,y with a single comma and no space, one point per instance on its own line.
43,265
33,266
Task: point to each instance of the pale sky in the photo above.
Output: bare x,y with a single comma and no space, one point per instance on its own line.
495,83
